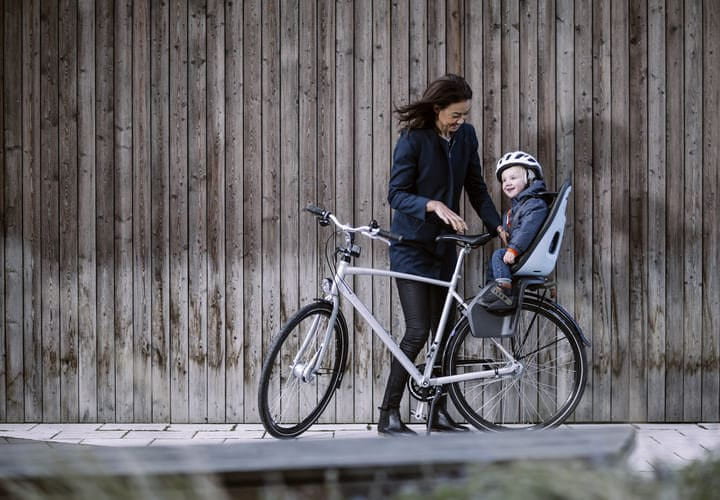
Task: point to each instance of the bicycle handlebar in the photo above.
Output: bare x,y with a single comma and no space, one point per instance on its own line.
372,230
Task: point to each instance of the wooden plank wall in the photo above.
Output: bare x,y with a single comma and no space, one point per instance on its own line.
156,156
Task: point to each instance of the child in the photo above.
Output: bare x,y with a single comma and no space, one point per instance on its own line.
522,180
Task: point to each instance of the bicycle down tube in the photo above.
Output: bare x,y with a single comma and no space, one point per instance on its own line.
423,379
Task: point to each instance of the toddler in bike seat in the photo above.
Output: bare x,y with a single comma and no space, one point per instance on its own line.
522,182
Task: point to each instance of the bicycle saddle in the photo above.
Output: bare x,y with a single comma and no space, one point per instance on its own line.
471,240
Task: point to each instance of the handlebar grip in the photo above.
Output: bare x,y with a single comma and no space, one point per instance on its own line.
389,235
315,210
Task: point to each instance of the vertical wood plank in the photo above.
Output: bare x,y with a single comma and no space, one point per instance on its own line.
528,17
344,100
179,388
381,162
656,212
104,149
197,212
12,405
4,367
49,195
638,230
583,190
399,88
510,78
362,195
252,206
68,177
675,204
418,47
234,159
289,166
601,215
124,360
491,132
552,67
160,209
142,213
711,207
692,212
87,250
564,169
473,71
270,173
455,35
307,120
326,131
216,209
619,167
436,39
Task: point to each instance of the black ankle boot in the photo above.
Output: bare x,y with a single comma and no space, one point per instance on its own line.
391,425
442,421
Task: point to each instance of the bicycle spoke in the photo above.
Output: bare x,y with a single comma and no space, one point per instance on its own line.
543,393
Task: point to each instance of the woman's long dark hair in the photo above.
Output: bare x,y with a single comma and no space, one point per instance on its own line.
443,92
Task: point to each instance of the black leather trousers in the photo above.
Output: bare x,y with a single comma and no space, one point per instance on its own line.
422,305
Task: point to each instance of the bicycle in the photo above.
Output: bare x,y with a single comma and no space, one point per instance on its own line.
522,370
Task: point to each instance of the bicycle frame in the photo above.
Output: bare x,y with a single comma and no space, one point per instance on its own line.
425,379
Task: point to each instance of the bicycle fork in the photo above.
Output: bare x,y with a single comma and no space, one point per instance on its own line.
306,371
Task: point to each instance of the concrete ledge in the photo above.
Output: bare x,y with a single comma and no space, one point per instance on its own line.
251,464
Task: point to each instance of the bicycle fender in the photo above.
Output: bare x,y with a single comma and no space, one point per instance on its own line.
569,318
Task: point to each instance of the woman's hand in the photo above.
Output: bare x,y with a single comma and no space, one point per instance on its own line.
446,215
503,235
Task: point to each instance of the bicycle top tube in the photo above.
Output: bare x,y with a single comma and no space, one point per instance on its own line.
340,287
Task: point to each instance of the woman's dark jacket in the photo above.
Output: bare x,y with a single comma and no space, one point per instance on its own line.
427,167
527,213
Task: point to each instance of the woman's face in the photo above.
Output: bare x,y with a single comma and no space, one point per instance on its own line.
450,118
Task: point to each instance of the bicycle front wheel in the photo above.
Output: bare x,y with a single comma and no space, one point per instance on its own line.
546,388
292,395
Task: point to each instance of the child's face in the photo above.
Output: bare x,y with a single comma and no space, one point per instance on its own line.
514,181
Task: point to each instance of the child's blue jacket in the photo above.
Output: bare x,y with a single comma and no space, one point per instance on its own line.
527,213
427,167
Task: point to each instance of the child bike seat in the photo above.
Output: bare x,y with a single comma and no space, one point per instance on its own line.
540,258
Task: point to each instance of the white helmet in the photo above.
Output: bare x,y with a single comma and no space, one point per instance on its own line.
518,158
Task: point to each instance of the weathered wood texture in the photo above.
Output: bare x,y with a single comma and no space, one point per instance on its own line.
156,155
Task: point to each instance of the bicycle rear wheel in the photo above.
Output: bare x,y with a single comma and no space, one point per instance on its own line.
543,393
291,398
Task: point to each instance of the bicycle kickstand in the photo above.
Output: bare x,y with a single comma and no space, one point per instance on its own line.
431,411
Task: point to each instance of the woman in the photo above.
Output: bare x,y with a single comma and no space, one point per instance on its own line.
434,158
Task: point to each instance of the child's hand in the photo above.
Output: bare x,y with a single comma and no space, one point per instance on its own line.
509,257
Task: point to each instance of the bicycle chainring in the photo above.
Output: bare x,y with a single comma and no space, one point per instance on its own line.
424,394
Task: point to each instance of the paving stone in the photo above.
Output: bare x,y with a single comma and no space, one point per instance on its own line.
228,435
75,440
32,434
117,442
159,435
134,427
341,427
240,440
201,427
187,442
597,426
658,426
714,426
16,427
77,434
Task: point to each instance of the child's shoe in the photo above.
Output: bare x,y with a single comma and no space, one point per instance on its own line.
498,297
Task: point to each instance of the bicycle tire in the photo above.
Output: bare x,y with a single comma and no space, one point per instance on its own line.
550,347
288,404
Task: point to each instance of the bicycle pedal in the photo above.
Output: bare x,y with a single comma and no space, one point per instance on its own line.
419,412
